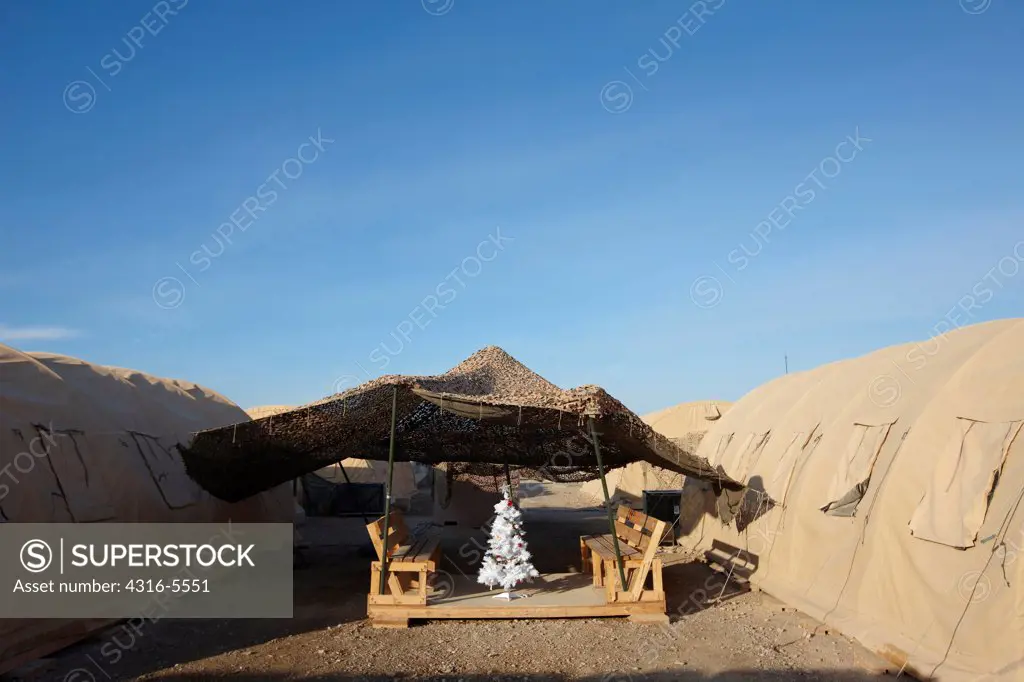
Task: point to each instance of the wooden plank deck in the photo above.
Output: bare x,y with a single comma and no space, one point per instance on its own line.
556,595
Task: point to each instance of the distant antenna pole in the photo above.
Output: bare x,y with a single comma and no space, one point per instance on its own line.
787,363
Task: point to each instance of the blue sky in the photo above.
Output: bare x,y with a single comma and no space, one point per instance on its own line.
132,131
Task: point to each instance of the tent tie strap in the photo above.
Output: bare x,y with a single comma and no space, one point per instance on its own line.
1003,545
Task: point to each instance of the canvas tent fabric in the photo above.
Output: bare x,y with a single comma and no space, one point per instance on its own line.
261,411
921,447
685,425
627,484
486,411
403,483
683,419
81,442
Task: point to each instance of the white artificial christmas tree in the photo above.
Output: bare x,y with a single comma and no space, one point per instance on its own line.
507,562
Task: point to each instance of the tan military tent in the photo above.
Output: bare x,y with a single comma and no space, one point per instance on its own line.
885,498
679,421
685,424
86,443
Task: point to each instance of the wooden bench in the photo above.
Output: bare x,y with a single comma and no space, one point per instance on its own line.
736,563
410,562
639,536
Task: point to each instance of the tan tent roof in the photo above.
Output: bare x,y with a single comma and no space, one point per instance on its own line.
686,418
110,439
267,410
685,425
488,410
892,504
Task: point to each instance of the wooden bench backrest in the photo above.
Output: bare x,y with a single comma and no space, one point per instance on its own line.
638,529
398,534
645,533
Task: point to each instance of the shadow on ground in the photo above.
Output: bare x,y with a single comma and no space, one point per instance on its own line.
657,676
692,587
332,591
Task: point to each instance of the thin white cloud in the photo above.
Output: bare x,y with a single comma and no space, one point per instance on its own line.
36,333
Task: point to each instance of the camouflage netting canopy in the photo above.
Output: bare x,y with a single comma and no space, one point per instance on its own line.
488,411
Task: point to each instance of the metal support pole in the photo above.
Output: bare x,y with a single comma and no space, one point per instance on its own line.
344,473
387,493
608,504
508,478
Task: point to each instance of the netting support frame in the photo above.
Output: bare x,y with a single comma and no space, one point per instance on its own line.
607,503
387,493
508,479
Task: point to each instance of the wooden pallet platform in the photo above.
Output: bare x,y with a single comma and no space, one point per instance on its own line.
554,595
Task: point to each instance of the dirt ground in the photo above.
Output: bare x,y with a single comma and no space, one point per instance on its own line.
746,636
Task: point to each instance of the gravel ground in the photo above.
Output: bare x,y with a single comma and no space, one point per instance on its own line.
747,636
